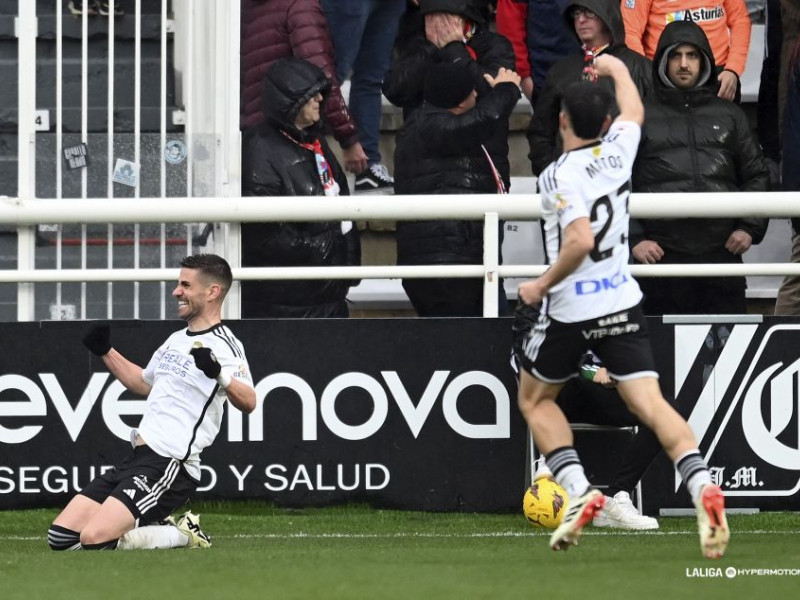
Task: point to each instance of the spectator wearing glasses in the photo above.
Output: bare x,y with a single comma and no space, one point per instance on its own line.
597,24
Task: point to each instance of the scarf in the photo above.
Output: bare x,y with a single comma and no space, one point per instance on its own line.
329,185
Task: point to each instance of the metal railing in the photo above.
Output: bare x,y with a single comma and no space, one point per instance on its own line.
127,89
104,248
489,208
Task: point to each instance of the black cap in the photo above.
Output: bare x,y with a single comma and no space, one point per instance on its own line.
474,10
448,84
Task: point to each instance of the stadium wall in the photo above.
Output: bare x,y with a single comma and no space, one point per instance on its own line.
400,413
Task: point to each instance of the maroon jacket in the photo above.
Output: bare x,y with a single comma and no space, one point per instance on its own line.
273,29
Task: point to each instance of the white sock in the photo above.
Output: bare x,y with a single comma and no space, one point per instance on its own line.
153,537
694,472
573,479
696,484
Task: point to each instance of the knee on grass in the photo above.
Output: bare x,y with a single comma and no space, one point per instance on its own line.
97,540
61,538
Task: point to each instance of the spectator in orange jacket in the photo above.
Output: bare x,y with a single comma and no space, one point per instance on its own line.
726,23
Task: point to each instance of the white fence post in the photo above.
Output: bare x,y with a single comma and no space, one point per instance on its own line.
27,31
229,179
491,251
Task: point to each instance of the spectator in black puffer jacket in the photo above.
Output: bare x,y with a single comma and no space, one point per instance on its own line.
288,156
440,150
273,29
449,31
693,141
598,25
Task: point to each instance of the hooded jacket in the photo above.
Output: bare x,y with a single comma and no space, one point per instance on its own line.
543,138
693,141
273,29
441,153
484,52
275,164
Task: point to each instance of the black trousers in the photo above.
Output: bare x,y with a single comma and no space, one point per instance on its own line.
462,297
584,401
695,295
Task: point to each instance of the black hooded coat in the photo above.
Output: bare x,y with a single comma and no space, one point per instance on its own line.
543,138
484,52
694,141
275,164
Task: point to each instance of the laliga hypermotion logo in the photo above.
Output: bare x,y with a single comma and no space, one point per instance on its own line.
764,402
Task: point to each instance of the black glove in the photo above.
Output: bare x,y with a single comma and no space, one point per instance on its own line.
206,361
98,340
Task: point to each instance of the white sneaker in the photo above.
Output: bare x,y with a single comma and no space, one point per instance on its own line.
170,520
621,513
189,524
580,512
711,522
541,469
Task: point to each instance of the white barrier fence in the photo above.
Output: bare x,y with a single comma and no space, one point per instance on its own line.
490,208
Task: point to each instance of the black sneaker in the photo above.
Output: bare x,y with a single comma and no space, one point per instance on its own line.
375,180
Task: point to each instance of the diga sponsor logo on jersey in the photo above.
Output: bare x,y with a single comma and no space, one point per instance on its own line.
586,287
698,15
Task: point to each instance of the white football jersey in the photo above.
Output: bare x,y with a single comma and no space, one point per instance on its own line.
592,182
184,409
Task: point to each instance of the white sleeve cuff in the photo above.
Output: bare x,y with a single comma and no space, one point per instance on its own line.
224,380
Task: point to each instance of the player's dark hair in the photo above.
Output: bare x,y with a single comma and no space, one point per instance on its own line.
587,104
212,266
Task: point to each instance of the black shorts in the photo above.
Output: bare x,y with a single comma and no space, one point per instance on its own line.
150,485
551,351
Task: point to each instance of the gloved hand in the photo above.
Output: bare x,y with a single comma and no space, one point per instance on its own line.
206,361
98,340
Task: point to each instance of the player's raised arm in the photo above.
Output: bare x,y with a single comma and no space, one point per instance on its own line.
242,396
627,95
98,341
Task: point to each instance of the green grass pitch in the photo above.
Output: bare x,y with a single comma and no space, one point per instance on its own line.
356,552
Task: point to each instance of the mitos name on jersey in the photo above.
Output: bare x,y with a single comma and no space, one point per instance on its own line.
602,163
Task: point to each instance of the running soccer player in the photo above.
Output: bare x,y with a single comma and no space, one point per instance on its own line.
588,300
186,384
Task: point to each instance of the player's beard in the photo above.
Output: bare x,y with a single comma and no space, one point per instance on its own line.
188,312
